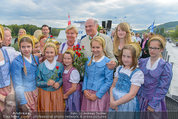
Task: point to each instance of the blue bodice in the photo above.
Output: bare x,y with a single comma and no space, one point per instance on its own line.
123,83
5,70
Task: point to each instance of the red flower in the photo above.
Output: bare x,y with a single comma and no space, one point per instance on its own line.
80,49
74,49
57,67
77,46
79,54
51,36
74,46
82,46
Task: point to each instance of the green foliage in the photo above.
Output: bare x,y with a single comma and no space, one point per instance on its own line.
55,31
80,59
165,27
30,29
157,31
174,34
99,27
168,25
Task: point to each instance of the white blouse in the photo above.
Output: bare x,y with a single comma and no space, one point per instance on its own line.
66,46
99,59
12,53
74,76
136,79
49,65
148,65
29,60
2,62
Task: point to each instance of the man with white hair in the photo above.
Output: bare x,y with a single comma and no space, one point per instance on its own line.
91,26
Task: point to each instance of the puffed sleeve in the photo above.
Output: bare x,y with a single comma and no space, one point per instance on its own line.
116,72
108,82
12,53
16,73
141,61
74,77
137,78
84,86
163,87
40,82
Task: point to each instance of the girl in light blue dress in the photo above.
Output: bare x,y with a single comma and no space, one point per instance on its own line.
23,71
97,79
127,81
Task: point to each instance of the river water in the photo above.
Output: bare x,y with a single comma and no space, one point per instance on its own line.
173,52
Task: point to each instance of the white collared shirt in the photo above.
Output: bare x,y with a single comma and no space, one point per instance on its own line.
66,46
136,79
28,59
49,65
74,76
93,36
99,59
2,62
148,65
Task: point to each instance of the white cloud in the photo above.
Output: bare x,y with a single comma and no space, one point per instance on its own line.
138,13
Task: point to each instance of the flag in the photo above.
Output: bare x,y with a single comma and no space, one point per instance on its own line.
69,22
151,27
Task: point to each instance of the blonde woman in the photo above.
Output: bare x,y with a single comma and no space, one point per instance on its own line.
71,35
20,33
122,37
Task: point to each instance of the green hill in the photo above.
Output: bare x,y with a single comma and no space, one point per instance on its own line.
167,26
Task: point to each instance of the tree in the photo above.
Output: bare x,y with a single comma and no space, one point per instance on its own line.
55,31
162,31
174,34
157,31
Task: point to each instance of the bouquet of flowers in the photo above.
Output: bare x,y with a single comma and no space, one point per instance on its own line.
55,75
79,62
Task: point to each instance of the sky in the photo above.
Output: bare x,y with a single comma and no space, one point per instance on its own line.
138,13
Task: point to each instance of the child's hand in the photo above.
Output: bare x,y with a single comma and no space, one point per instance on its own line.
150,109
50,82
87,94
65,96
93,97
37,54
112,99
56,85
111,64
113,105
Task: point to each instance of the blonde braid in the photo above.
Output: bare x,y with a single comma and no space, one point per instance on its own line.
24,67
90,60
34,58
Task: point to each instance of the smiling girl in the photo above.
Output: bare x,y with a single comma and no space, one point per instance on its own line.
97,79
49,81
71,86
23,72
